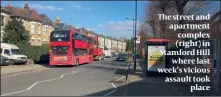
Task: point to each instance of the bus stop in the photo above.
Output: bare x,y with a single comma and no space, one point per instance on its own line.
154,58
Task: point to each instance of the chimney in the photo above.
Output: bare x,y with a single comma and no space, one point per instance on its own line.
57,21
26,7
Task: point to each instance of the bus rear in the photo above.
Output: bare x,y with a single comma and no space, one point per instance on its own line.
61,47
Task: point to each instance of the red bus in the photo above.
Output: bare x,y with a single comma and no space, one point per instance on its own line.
69,47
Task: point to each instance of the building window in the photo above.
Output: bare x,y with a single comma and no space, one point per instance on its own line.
32,41
45,30
32,28
2,20
45,41
39,29
39,41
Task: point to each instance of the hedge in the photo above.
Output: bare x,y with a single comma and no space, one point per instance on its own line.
36,53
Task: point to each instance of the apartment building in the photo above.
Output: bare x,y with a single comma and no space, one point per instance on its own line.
107,43
114,45
119,45
48,27
124,46
101,41
32,21
5,18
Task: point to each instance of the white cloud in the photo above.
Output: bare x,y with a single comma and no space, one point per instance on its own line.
45,7
119,22
111,22
80,7
101,25
120,28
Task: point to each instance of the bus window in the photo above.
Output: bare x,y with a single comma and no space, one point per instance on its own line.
60,50
60,36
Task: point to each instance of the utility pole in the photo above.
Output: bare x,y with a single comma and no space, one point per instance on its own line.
135,38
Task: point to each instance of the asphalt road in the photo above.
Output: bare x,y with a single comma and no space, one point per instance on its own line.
85,80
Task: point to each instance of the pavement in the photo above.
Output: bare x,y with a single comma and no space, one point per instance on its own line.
10,69
92,79
140,85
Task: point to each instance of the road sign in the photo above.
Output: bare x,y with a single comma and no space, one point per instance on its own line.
137,39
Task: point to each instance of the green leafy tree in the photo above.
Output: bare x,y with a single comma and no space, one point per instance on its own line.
15,33
129,46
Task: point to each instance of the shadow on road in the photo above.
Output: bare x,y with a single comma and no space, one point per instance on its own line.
147,86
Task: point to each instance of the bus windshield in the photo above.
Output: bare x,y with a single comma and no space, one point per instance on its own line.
60,50
60,36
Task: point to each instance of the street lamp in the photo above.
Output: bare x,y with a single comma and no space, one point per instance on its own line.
134,42
135,38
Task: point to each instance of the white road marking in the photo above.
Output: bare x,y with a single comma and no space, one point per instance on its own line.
22,73
120,78
115,88
73,72
112,91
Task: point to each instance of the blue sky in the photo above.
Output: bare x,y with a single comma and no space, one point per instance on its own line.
103,17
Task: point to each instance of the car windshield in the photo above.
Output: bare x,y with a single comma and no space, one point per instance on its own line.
122,55
15,51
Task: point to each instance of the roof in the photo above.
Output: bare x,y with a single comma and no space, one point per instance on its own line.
10,46
62,26
4,10
54,24
34,15
46,20
17,11
21,12
71,27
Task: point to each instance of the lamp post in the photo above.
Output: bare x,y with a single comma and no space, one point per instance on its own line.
134,42
135,31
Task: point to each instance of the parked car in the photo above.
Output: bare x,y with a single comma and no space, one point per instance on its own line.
12,52
4,61
121,57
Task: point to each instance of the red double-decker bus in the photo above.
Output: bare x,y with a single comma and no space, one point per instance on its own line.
69,47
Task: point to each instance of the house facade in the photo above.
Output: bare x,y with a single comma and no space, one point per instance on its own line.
32,21
5,18
119,45
48,27
114,47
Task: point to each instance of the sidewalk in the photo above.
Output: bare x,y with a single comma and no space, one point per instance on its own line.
139,85
11,69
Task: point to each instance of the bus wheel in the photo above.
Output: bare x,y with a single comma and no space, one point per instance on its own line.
77,62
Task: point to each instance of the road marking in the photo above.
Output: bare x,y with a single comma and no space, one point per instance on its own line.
23,73
73,72
120,78
112,91
115,88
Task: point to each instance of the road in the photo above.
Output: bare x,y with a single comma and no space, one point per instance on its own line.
85,80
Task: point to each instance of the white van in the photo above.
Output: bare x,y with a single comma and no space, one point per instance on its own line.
107,53
11,52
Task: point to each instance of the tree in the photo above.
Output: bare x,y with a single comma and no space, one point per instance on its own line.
15,33
129,46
